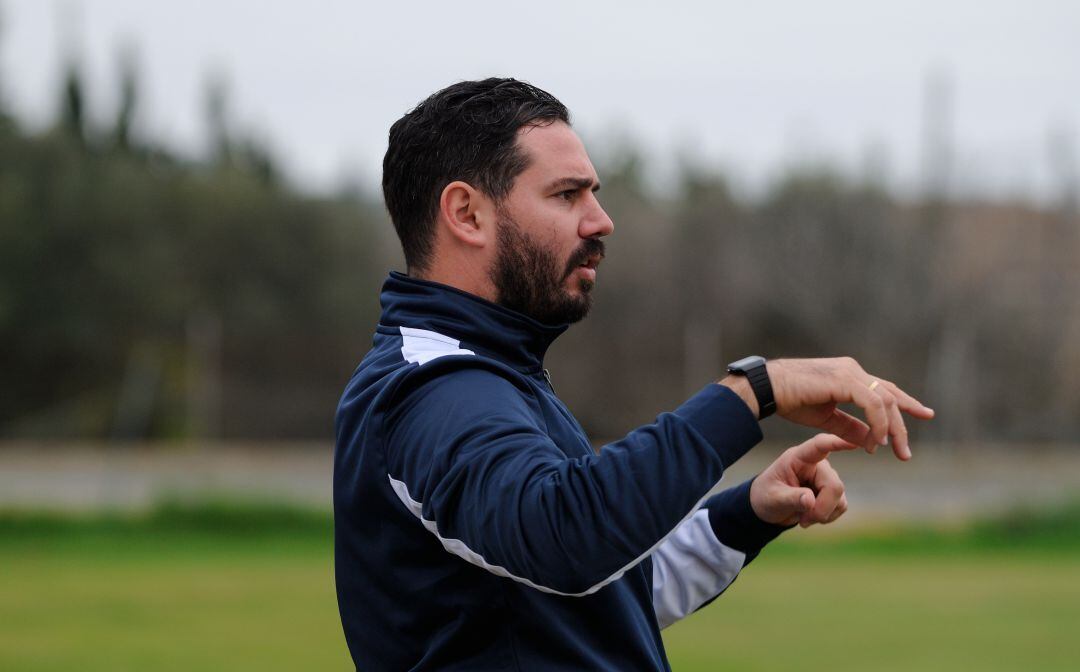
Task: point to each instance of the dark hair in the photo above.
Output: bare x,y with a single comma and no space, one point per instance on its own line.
467,131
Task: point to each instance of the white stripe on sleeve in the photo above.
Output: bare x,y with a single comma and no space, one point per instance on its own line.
460,549
690,567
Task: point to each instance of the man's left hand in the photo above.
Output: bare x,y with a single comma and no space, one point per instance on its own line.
801,486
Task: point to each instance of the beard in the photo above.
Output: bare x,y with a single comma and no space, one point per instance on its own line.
529,279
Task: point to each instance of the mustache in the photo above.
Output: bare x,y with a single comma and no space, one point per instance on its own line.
592,247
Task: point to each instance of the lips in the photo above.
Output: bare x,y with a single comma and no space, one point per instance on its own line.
587,258
587,269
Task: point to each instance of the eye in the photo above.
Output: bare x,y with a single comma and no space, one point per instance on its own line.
569,195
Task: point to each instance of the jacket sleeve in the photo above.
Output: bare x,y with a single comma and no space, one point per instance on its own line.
467,454
706,553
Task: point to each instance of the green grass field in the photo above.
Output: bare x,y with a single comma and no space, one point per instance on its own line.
252,589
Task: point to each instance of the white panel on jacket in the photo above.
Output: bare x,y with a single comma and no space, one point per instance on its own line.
422,346
691,567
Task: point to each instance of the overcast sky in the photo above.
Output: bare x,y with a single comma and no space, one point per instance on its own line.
747,87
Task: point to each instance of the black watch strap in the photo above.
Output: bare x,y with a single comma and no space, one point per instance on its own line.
754,369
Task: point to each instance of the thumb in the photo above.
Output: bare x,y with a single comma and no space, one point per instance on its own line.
778,503
798,500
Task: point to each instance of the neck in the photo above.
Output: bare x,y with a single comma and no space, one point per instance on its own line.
479,325
466,275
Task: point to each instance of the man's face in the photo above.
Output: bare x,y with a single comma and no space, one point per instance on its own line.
549,229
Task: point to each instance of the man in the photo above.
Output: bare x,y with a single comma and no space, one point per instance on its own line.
476,528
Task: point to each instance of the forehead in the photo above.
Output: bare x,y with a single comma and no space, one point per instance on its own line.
555,151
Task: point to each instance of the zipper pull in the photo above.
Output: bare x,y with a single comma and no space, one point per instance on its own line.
548,377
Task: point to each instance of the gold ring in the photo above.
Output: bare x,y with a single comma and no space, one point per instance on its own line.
874,384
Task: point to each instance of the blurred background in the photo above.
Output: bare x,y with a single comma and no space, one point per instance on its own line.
192,241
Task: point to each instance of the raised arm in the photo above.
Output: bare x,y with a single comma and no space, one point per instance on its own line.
466,456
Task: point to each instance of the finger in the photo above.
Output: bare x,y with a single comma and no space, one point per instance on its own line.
871,403
849,428
829,491
805,507
819,446
841,509
909,404
897,429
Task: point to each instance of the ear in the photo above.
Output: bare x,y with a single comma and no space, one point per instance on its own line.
463,212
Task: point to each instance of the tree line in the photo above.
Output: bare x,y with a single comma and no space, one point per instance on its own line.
148,296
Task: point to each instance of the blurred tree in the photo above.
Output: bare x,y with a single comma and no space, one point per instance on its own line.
216,108
129,98
709,274
145,296
72,121
5,120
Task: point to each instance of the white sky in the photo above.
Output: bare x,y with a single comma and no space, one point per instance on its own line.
746,87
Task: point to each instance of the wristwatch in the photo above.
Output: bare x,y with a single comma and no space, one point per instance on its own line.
753,367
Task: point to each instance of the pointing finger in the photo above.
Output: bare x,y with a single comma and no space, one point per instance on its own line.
847,427
817,448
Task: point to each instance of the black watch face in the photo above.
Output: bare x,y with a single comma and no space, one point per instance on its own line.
746,363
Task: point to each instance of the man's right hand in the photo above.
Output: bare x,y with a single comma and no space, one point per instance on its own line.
807,392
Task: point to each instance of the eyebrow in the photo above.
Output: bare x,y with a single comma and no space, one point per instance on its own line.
564,183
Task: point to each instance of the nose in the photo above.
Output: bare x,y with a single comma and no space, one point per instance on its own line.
596,223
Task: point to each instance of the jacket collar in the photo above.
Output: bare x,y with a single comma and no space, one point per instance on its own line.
480,325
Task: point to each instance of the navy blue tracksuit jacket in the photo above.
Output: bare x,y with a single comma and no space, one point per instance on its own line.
476,528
